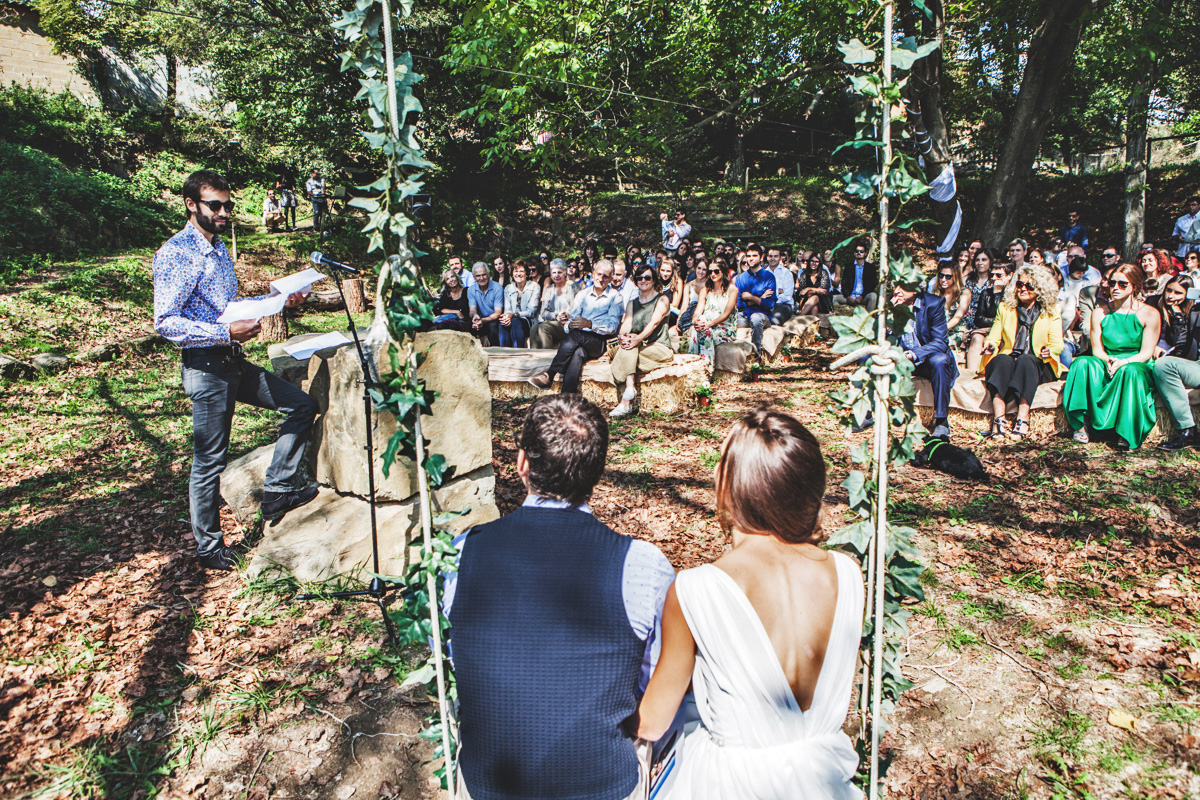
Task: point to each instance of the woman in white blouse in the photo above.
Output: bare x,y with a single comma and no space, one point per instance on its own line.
521,298
557,299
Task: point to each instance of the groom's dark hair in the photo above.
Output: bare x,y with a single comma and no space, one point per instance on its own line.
565,439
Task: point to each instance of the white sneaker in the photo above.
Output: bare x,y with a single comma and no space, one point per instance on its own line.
623,409
629,396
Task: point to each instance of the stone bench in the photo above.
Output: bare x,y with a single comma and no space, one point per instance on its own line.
730,358
970,409
669,389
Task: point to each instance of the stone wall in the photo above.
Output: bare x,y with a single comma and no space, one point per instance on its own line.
331,535
27,57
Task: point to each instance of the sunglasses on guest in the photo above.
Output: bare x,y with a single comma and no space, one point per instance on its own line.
716,271
216,205
946,276
1110,255
1022,286
1118,283
645,277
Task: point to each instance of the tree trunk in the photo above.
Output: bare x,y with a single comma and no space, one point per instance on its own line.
274,328
1137,156
1049,56
356,300
735,169
1136,125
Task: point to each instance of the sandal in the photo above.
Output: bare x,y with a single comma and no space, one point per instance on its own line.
1020,429
1081,436
997,430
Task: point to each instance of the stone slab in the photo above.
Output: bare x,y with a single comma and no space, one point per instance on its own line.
331,535
460,427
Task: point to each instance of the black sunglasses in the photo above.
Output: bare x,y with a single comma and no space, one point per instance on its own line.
717,271
1121,284
215,205
999,273
646,277
1110,255
1022,285
946,277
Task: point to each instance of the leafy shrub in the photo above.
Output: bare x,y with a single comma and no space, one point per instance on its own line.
60,212
59,124
164,170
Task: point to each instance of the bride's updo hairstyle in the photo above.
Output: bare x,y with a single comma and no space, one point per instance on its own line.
771,478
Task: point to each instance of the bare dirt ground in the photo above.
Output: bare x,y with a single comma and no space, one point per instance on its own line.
1056,654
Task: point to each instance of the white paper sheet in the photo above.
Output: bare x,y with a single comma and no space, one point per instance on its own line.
274,302
302,350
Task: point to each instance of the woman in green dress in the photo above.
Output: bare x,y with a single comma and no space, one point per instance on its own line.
1113,389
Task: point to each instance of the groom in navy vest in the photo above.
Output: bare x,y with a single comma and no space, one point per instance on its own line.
554,620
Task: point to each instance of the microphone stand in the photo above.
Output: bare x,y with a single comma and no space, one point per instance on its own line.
378,588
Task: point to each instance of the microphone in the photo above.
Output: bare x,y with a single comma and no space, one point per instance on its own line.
317,258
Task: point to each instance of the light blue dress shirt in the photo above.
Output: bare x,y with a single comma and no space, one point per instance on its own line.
605,311
785,285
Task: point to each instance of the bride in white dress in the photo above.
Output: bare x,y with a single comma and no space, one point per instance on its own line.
767,635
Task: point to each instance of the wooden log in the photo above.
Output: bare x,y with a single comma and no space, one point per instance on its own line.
274,328
356,299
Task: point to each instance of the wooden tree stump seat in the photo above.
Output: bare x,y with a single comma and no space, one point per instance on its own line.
669,389
970,410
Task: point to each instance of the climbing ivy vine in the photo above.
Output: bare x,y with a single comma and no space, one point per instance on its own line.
881,381
386,82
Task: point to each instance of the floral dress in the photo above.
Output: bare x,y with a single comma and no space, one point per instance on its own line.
704,343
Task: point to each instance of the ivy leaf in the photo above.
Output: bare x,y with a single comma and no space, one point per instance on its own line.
859,490
438,470
908,52
857,536
855,52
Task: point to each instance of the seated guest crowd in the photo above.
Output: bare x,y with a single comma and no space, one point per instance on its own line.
577,649
1113,335
646,304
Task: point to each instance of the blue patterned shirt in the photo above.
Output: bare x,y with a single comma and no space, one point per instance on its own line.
193,282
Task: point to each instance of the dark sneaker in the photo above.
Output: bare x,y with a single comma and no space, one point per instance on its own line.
1181,440
867,424
276,504
220,559
941,431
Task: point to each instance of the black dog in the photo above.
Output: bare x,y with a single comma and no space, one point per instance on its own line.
955,461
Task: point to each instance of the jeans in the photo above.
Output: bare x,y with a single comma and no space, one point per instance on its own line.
320,212
578,348
756,321
1174,376
515,334
782,313
1068,354
215,383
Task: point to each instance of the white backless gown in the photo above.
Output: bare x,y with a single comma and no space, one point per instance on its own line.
754,742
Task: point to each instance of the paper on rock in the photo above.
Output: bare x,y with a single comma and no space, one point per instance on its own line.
304,349
273,303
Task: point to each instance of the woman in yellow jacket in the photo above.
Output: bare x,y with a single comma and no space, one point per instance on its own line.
1022,350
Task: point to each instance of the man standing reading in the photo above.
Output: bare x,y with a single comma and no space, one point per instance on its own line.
193,283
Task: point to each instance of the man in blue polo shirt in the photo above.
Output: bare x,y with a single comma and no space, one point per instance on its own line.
756,296
486,299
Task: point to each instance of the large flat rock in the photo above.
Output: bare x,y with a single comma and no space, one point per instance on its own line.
460,427
331,535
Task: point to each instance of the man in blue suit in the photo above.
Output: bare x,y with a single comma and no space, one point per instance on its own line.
925,341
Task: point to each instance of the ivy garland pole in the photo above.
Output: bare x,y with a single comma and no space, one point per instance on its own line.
403,306
881,384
